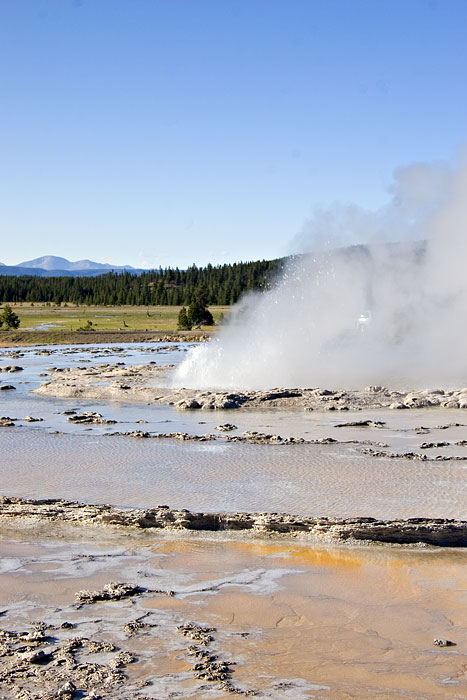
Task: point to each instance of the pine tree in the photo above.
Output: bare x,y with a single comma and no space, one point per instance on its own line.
9,319
199,315
183,322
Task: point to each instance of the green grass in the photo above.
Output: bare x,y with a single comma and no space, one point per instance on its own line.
103,318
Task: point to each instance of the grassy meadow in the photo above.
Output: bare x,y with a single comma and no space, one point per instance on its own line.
43,317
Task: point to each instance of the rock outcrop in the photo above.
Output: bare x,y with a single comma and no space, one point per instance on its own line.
142,383
433,531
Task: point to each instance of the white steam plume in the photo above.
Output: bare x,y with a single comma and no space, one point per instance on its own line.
380,313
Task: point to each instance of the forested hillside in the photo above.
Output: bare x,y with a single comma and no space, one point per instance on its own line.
224,285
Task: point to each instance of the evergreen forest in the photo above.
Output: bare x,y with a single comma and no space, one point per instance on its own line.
222,284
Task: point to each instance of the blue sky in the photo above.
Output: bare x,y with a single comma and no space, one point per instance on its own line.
167,132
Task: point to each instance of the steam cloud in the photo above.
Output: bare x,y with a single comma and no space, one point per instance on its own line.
392,313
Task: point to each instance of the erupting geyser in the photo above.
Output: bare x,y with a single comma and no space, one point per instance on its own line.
379,313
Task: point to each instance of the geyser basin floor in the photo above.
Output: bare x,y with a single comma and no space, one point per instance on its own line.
291,621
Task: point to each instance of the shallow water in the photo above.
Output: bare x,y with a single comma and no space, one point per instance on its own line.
300,479
298,621
36,360
335,480
398,430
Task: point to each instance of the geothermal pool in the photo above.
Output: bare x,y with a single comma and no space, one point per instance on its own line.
56,458
292,620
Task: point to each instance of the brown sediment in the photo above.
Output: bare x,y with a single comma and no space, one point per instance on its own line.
432,531
345,631
278,620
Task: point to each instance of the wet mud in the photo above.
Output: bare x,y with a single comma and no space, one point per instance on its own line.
270,620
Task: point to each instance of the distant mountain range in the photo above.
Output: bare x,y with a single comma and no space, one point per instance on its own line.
53,266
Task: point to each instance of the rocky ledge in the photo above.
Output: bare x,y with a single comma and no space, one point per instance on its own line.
143,383
436,531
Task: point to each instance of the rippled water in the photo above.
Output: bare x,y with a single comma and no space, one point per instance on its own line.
320,480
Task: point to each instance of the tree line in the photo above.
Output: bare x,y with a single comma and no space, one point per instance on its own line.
223,285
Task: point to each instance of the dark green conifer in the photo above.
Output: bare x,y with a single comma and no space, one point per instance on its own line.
9,319
183,322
